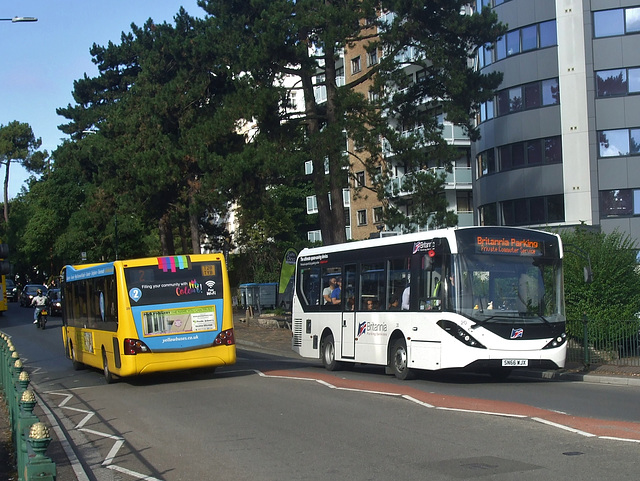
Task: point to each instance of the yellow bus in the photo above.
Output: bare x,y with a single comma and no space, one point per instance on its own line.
3,294
148,315
5,268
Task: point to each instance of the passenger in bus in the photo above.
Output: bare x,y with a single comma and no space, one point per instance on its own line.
405,298
351,303
335,294
326,293
394,304
371,304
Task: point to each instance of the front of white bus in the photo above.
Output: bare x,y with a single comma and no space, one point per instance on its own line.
507,287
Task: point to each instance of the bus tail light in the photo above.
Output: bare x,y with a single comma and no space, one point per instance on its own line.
135,346
225,338
460,334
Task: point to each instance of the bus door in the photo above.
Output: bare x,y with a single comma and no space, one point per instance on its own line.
348,314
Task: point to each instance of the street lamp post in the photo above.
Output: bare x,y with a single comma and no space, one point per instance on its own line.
19,19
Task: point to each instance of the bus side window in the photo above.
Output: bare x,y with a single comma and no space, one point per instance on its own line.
309,287
431,284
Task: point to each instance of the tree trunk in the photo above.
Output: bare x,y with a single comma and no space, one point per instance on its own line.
320,185
194,226
166,236
336,164
6,194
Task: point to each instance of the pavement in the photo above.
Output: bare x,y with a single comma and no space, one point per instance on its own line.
271,334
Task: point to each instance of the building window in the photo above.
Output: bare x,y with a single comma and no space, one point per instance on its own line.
372,58
312,204
529,38
362,217
607,23
632,20
355,65
360,179
521,154
611,82
620,21
615,203
525,39
308,167
550,92
529,96
488,214
617,82
548,34
377,215
533,210
616,143
314,236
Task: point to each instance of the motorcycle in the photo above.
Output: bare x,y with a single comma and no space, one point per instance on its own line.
42,318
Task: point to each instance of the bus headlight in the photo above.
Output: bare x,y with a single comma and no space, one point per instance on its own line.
460,334
556,341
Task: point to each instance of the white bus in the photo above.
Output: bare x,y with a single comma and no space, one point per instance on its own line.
485,299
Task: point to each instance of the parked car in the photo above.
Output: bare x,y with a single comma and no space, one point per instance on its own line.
55,302
12,290
29,292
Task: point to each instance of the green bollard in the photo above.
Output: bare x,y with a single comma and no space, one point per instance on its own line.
25,420
586,343
39,466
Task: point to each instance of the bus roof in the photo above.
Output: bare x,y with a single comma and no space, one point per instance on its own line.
449,233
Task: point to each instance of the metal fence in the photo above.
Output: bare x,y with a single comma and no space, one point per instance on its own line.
607,342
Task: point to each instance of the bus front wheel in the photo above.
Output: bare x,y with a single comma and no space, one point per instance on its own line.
399,360
328,354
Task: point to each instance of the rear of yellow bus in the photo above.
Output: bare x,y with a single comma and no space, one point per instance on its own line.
170,313
178,315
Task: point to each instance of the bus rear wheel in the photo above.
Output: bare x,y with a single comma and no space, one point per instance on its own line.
105,368
72,355
399,360
328,354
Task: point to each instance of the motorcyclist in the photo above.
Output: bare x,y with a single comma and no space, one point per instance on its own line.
40,302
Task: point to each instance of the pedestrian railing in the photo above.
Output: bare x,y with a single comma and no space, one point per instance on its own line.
604,342
30,436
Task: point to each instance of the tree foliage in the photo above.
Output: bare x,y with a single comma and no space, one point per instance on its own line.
185,119
19,144
614,294
268,41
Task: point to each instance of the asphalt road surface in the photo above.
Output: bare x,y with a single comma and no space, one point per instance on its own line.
276,417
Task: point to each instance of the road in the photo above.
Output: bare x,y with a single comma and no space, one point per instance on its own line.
272,417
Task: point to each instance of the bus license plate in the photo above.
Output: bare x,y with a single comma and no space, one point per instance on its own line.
515,362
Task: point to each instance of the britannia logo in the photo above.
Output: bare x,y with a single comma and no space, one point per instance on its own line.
517,333
362,328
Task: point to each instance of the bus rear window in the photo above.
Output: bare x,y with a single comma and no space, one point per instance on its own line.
197,281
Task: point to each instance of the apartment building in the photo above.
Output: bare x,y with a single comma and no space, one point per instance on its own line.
363,210
560,141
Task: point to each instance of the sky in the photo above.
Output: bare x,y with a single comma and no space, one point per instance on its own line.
39,61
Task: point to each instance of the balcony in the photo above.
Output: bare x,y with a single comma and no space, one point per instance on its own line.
459,178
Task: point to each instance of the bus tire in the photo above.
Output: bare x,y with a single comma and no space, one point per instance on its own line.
398,360
328,354
72,355
108,377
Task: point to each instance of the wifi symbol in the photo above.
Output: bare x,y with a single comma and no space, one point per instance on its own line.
210,283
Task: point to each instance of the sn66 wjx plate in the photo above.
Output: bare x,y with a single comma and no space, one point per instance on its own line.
515,362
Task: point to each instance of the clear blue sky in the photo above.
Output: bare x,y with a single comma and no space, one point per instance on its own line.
39,61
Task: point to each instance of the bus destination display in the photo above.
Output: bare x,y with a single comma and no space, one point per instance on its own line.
508,246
